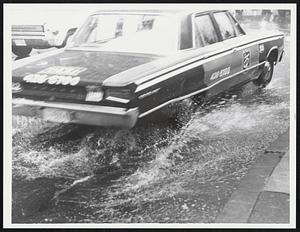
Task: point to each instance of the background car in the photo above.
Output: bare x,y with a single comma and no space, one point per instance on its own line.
40,30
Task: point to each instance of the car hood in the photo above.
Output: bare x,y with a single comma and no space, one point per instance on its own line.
93,66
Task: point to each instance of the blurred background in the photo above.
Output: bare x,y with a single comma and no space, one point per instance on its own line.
267,19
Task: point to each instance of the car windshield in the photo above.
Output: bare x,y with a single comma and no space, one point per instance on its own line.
129,33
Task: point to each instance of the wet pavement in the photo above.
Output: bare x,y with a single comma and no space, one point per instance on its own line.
152,173
263,196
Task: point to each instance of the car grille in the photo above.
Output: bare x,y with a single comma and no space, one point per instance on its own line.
27,28
53,93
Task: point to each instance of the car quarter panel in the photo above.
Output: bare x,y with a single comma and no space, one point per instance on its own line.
180,84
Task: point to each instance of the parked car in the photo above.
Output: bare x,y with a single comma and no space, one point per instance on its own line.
39,31
27,37
123,65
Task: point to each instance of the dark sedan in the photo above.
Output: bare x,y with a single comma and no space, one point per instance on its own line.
123,65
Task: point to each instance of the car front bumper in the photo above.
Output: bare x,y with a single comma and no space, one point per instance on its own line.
76,113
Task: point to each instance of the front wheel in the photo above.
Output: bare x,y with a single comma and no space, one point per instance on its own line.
266,76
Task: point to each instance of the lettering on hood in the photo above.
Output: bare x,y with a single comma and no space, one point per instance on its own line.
56,75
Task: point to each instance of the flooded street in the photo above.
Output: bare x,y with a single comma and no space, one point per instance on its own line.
153,172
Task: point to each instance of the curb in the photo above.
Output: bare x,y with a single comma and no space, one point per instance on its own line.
241,203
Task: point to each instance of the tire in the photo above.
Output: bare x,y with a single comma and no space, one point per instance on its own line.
266,76
21,52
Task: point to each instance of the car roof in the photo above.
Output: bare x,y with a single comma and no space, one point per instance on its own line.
158,10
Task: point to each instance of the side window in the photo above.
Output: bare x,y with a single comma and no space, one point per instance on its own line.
225,25
205,33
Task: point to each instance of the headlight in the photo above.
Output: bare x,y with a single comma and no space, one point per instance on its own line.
16,87
118,94
94,93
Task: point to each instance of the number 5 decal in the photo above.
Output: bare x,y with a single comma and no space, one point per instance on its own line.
246,58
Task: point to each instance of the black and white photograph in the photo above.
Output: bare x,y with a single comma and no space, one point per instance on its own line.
149,115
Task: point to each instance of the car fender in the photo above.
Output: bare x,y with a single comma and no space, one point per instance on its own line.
273,50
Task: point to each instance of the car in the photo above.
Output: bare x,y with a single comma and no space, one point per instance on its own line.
37,31
123,65
27,37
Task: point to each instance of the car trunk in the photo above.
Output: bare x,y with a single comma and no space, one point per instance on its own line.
95,66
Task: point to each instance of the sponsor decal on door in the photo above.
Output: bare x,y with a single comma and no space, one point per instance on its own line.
220,73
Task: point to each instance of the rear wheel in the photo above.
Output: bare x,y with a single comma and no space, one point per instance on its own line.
21,52
265,78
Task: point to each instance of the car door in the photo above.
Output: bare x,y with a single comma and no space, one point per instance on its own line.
217,64
245,57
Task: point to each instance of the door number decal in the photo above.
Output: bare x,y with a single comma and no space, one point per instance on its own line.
246,59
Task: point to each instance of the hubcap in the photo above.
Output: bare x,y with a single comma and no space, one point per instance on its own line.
267,75
268,66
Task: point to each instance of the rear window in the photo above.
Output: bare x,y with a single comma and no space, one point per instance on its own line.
225,25
138,33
